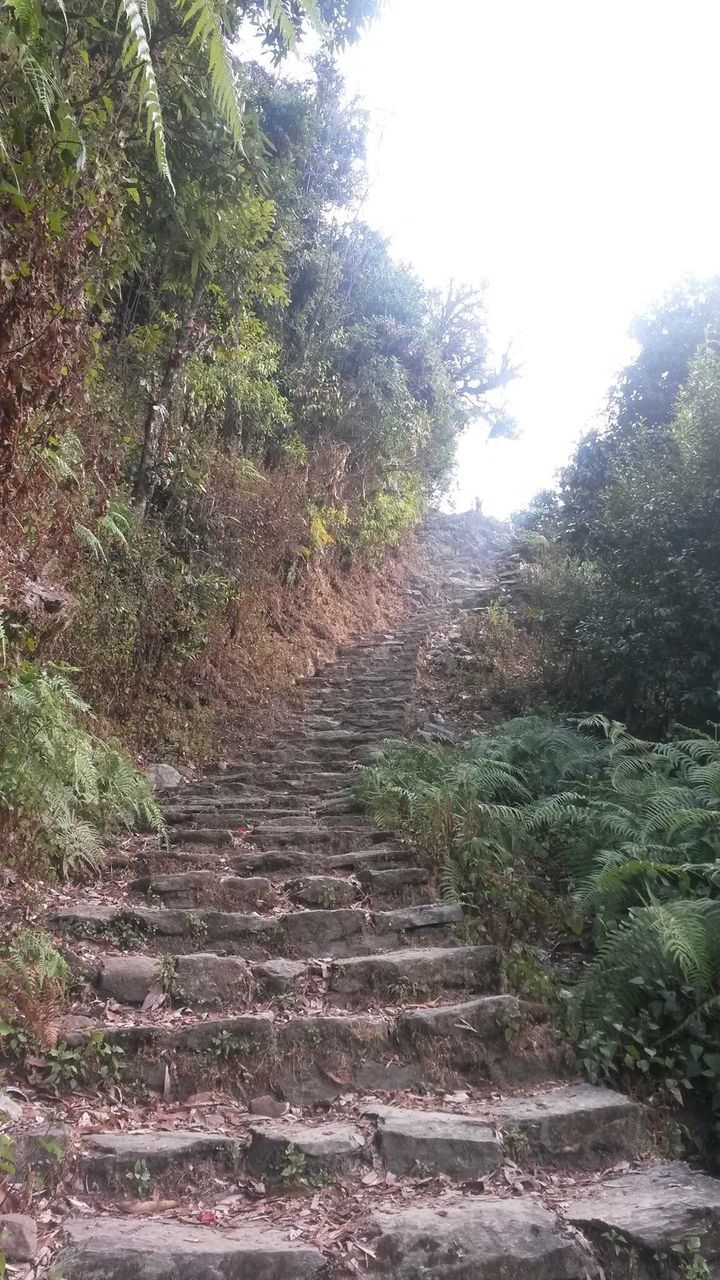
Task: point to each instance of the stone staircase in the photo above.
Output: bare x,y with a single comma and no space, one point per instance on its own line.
337,1081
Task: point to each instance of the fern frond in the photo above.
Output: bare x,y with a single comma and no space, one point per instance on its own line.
207,31
136,49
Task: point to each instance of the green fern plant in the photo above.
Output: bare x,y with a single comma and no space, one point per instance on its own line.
62,789
34,986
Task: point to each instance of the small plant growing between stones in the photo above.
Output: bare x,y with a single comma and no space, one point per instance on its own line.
293,1164
65,1066
527,976
103,1059
34,986
328,896
141,1178
168,975
223,1046
198,927
516,1144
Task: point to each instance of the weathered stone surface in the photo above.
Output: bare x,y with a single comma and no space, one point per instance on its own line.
194,888
128,979
111,1155
162,777
652,1209
18,1237
391,879
266,1105
321,891
410,919
9,1108
320,1057
417,974
326,1148
41,1148
123,1249
207,979
572,1121
278,976
251,1036
319,933
435,1141
497,1035
486,1239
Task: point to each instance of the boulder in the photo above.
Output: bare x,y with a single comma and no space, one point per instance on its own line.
18,1237
162,777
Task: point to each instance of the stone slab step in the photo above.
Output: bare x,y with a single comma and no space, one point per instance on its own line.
578,1124
342,931
123,1249
476,1239
113,1160
283,1151
317,1057
413,976
637,1221
257,893
209,980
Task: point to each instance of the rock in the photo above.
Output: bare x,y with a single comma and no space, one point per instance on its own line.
9,1109
123,1249
42,1148
325,1148
128,979
571,1121
417,974
18,1237
435,1141
266,1105
111,1155
278,976
653,1209
321,891
207,979
485,1239
162,777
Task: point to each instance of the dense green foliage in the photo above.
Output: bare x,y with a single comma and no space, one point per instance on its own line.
61,787
213,376
629,585
540,827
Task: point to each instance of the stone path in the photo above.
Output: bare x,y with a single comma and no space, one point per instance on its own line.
363,1053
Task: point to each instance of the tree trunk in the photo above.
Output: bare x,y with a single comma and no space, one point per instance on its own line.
160,407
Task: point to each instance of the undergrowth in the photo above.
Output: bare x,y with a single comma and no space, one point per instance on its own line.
578,830
62,789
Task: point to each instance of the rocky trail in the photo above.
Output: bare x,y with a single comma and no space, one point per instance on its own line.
331,1078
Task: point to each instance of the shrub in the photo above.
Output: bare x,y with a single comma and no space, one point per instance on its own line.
538,809
34,985
61,787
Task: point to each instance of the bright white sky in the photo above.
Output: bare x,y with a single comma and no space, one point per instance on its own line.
565,153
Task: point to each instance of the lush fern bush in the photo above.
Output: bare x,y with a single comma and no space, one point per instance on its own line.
61,788
627,830
34,986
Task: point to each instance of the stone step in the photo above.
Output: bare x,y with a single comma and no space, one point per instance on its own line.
488,1238
339,837
315,1057
205,979
590,1126
414,976
339,932
241,815
257,893
637,1222
578,1125
130,1165
105,1248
